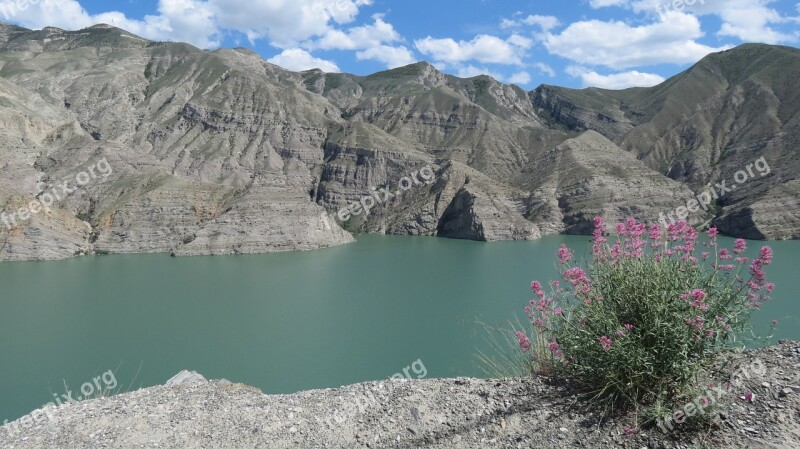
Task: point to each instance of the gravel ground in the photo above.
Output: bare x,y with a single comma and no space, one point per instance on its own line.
190,412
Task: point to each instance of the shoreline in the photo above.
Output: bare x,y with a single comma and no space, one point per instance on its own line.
190,411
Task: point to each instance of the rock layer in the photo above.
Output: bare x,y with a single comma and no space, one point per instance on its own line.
221,152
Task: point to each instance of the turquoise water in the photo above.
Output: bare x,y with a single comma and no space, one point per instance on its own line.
281,322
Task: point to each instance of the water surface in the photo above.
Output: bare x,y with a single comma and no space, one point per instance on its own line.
282,322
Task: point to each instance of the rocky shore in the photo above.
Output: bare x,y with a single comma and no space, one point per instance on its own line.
191,412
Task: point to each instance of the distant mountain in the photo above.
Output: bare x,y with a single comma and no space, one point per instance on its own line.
218,152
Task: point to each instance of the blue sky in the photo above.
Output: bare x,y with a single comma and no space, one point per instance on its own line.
605,43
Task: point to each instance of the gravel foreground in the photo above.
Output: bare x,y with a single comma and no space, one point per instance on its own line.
190,412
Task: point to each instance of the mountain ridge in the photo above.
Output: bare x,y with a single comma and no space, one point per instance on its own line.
221,152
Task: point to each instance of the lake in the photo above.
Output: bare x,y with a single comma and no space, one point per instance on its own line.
283,322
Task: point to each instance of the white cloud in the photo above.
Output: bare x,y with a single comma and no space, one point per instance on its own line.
181,20
621,80
371,42
520,78
391,56
483,48
619,45
747,20
470,71
520,41
752,23
358,38
606,3
285,23
546,23
297,59
546,69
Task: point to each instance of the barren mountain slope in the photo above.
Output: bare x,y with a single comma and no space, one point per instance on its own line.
221,152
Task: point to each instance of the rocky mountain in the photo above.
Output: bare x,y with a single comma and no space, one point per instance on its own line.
168,148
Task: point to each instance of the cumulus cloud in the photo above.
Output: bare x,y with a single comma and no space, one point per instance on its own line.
470,71
619,45
621,80
390,56
520,78
190,21
285,23
370,41
358,38
297,59
483,48
746,20
546,23
606,3
546,69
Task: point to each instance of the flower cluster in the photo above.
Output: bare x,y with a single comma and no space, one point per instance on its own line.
658,298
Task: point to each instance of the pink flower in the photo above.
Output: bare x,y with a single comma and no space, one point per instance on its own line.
616,251
524,342
629,431
576,276
564,254
770,287
748,396
559,311
600,224
606,343
628,327
697,323
705,255
713,232
757,271
553,346
676,230
655,232
724,254
740,246
698,298
774,323
620,333
536,285
766,255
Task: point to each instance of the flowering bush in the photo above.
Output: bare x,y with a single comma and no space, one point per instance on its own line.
649,310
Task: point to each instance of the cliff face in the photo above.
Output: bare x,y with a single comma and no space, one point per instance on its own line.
221,152
705,125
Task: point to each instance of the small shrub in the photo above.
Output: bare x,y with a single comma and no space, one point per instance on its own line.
647,313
